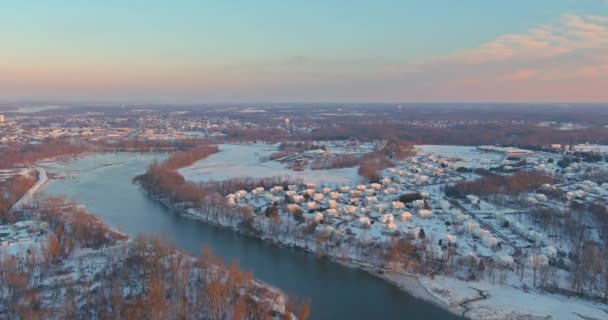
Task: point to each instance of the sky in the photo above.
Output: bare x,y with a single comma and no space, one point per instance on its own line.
304,51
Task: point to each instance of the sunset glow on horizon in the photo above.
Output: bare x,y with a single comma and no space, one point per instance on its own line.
314,51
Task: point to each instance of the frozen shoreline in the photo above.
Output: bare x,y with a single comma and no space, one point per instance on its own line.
37,187
407,283
503,302
477,300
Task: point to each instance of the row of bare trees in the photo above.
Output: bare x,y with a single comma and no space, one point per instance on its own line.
496,184
151,144
146,278
11,190
498,132
25,154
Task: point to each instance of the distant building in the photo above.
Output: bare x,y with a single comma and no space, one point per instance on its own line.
508,151
1,118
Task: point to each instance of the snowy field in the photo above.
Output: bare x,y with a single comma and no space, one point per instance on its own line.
36,109
71,167
243,160
505,302
467,156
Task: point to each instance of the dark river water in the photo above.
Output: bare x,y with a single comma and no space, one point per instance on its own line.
103,184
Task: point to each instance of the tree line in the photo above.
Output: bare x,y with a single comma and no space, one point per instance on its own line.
497,184
111,278
24,154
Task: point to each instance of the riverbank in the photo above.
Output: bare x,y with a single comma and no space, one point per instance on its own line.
260,217
408,283
99,258
37,187
108,192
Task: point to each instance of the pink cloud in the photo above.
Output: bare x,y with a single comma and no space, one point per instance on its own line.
549,62
573,33
519,75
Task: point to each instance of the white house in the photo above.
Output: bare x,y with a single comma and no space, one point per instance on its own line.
312,205
425,214
397,205
405,216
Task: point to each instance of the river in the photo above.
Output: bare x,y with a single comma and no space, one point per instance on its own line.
102,183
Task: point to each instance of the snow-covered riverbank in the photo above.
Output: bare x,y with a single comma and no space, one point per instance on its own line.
478,300
409,283
37,187
457,296
85,269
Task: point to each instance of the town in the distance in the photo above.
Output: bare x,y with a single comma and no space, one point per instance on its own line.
478,211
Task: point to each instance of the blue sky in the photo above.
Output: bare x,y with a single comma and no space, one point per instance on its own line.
271,50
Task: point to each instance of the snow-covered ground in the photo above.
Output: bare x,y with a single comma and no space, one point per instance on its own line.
591,148
434,167
504,302
29,195
466,156
243,160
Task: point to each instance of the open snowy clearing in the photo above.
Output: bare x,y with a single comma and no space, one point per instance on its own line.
468,156
504,302
243,160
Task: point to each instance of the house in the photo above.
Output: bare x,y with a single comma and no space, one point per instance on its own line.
332,203
504,261
364,222
332,212
381,207
473,199
318,218
312,205
349,209
293,208
550,252
460,217
480,232
369,192
405,216
389,190
538,260
277,189
450,239
371,199
489,241
425,214
397,205
418,203
387,218
386,181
